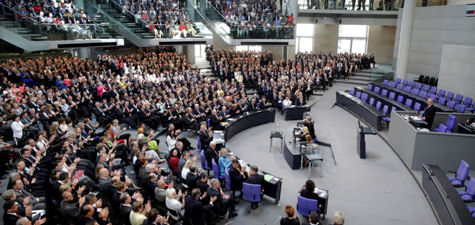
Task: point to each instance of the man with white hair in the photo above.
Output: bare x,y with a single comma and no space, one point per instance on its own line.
211,153
338,218
224,203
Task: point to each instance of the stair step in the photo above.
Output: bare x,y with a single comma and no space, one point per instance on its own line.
351,82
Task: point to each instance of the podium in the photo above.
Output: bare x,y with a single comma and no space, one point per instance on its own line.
360,139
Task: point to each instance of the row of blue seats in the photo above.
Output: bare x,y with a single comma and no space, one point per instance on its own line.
448,127
458,181
460,108
364,98
426,91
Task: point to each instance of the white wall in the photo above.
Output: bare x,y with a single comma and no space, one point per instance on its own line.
457,69
433,28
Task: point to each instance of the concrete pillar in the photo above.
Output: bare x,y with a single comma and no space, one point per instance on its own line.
405,38
190,54
84,52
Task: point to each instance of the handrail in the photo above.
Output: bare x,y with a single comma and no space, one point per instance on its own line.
209,3
129,12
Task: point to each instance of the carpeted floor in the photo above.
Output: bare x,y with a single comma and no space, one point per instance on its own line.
376,190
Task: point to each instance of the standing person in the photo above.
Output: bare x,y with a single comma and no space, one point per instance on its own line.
314,219
429,113
353,2
255,178
290,217
17,128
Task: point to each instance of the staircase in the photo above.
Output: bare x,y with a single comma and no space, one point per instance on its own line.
363,77
142,32
10,24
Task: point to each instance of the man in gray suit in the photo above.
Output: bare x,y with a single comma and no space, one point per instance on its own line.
22,194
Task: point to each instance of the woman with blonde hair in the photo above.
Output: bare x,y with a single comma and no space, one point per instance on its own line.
186,168
224,162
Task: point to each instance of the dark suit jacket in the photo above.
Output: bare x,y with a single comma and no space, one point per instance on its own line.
311,128
236,179
9,219
287,221
195,210
308,194
191,180
205,139
256,179
429,114
125,213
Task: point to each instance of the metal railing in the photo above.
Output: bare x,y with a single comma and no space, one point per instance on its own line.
248,31
53,30
145,24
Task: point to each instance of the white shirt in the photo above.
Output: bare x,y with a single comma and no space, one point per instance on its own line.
184,172
17,128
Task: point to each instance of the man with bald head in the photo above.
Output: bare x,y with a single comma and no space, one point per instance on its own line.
429,113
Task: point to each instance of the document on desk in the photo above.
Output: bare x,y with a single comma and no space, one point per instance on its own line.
415,118
268,177
423,129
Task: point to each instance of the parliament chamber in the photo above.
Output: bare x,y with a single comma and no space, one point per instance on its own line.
212,112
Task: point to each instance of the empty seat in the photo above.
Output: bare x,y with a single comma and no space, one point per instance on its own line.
421,78
384,92
469,194
441,101
378,105
400,86
364,97
426,80
352,92
431,96
450,96
358,94
415,91
418,85
441,93
385,113
433,81
392,84
467,102
442,128
426,87
417,106
461,175
400,99
423,94
404,82
458,98
392,95
460,108
411,84
385,82
376,89
433,90
407,89
409,103
398,80
451,104
371,101
448,126
370,87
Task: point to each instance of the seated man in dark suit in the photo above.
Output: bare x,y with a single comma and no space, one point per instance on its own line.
429,113
191,177
313,219
10,214
202,182
255,178
198,212
224,203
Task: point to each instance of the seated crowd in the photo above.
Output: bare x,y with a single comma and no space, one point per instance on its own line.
63,14
285,82
65,125
250,19
164,18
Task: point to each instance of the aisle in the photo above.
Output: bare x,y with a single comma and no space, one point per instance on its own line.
377,190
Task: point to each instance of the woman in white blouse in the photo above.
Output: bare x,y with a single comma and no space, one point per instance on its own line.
17,128
186,168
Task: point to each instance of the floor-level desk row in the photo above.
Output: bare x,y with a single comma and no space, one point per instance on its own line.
366,112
